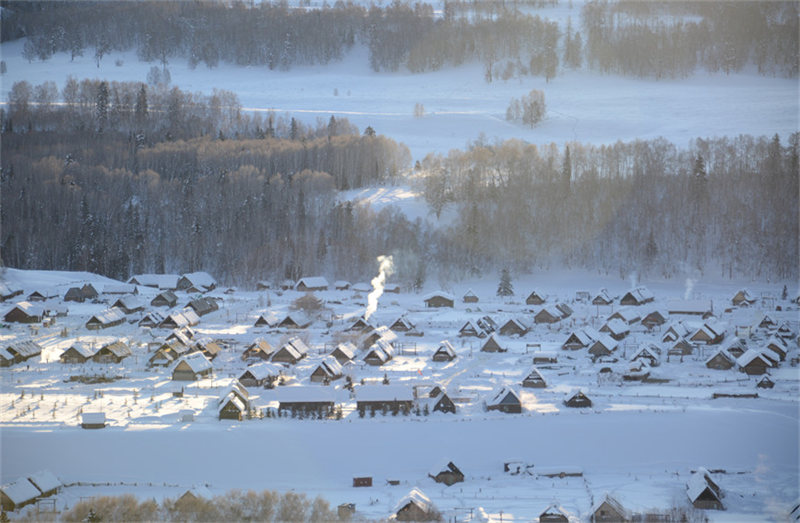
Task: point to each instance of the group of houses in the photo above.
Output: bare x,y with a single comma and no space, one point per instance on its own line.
27,490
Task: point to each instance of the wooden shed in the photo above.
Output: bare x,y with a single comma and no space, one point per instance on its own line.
504,399
192,367
445,352
470,297
534,298
18,494
720,360
578,400
165,299
113,352
312,283
637,296
260,349
439,299
534,379
344,352
108,318
609,510
78,352
25,312
447,473
415,506
93,420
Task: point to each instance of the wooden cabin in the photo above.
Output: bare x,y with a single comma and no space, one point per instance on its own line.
578,400
447,473
504,399
445,352
439,299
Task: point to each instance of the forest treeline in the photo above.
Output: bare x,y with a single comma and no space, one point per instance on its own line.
645,39
728,205
118,200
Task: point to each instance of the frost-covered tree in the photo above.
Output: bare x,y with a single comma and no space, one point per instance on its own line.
505,288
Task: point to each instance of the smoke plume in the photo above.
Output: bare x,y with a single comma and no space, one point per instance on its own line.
385,269
689,287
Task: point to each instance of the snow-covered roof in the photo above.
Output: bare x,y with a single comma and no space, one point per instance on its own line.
129,302
697,484
45,481
384,393
196,361
341,284
312,282
641,294
302,394
24,348
269,317
616,327
330,366
613,503
108,316
438,294
263,370
298,318
93,418
689,307
200,279
82,348
722,354
499,396
118,349
230,397
446,347
418,498
20,491
160,281
29,308
626,314
6,290
119,288
751,355
362,287
347,349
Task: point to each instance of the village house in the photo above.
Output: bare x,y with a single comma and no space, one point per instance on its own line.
75,294
778,346
113,352
609,510
534,298
514,327
120,288
196,282
25,312
555,513
291,352
233,402
360,325
169,352
19,351
649,353
439,299
445,352
742,299
753,363
447,473
578,400
504,399
765,383
203,306
46,482
327,371
627,315
616,328
42,295
311,283
735,347
469,297
78,352
14,496
471,329
371,337
261,375
93,420
604,345
108,318
401,324
415,506
602,298
208,347
710,333
637,296
720,360
379,353
152,319
534,379
547,315
165,299
8,291
192,367
341,285
439,401
703,492
390,399
580,339
179,320
267,319
655,318
702,308
260,349
676,331
681,348
344,352
129,304
306,400
156,281
492,344
295,320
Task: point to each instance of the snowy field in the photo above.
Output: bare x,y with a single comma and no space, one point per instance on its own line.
460,106
638,442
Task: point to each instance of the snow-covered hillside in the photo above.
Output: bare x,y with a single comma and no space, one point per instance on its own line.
459,105
639,441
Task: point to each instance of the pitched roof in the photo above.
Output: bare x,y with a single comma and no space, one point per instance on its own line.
750,356
119,288
20,491
45,481
446,347
160,281
416,497
108,316
24,348
347,349
263,370
196,361
503,396
329,366
303,394
29,308
312,282
697,484
200,279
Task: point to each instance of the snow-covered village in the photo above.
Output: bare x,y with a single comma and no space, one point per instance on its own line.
485,260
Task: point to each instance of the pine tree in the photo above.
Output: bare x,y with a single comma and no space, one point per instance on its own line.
101,106
505,288
140,108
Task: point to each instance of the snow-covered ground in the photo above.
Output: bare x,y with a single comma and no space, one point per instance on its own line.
639,441
460,106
